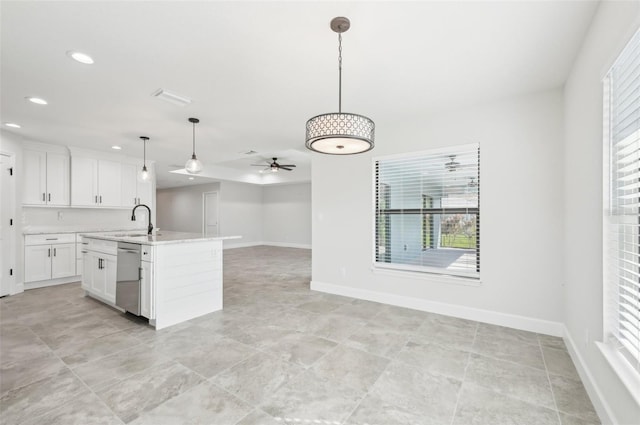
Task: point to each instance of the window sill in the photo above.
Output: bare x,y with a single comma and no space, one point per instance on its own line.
431,277
626,373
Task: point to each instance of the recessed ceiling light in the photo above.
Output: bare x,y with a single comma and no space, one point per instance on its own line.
37,100
80,57
12,125
191,178
116,147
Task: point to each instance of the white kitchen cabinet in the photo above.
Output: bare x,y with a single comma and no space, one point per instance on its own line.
95,182
134,190
87,269
49,256
37,263
99,271
46,178
63,260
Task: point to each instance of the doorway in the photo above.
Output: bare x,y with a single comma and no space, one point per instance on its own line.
7,225
210,222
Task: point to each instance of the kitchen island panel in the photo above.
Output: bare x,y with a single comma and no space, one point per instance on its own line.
188,281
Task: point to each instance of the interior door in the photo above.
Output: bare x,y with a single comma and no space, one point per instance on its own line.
7,227
211,222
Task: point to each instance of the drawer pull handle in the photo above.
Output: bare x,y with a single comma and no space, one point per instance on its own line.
85,252
52,239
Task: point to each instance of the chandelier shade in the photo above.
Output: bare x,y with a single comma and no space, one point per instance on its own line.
340,133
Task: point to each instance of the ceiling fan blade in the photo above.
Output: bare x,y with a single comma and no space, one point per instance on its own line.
287,165
282,167
258,165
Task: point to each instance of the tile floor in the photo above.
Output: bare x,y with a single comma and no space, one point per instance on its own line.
278,354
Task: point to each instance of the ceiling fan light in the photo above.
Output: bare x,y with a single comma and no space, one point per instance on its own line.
193,165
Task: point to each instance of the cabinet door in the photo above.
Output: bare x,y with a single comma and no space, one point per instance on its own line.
129,174
35,178
87,270
109,265
58,190
99,276
109,184
63,260
84,182
146,286
37,263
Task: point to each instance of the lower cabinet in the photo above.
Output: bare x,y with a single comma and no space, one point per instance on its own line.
47,257
99,272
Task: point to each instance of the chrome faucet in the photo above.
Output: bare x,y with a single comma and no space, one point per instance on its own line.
133,217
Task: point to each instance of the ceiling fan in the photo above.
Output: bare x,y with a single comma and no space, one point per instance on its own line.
452,165
274,166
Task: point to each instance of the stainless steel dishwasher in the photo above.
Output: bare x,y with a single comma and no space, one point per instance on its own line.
128,277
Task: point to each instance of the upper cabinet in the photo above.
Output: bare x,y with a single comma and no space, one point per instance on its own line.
46,178
95,183
134,190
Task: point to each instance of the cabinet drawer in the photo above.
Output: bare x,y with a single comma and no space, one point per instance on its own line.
49,239
107,247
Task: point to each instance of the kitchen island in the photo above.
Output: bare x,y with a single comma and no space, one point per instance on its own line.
180,274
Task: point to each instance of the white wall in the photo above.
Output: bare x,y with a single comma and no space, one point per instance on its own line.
613,25
180,208
287,215
521,223
263,215
241,213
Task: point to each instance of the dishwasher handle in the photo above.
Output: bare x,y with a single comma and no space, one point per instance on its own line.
129,251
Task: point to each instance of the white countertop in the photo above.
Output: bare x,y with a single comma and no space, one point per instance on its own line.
160,238
85,228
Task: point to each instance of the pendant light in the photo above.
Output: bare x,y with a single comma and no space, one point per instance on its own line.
340,133
193,166
144,173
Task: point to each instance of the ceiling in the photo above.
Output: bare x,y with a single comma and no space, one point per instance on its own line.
256,71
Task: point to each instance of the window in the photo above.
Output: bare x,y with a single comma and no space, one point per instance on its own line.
427,210
622,203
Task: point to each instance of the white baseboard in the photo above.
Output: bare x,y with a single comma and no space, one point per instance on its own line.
486,316
241,245
261,243
288,245
595,393
52,282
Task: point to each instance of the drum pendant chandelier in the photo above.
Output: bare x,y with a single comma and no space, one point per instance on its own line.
340,133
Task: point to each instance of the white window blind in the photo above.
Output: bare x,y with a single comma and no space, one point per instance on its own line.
622,208
427,209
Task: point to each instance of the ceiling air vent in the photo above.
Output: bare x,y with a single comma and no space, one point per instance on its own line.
173,98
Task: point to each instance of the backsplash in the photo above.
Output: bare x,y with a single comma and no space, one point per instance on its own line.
64,217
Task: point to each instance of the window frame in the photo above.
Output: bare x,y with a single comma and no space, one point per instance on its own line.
472,279
626,365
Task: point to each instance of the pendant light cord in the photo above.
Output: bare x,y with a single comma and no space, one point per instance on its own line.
144,152
194,139
339,73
